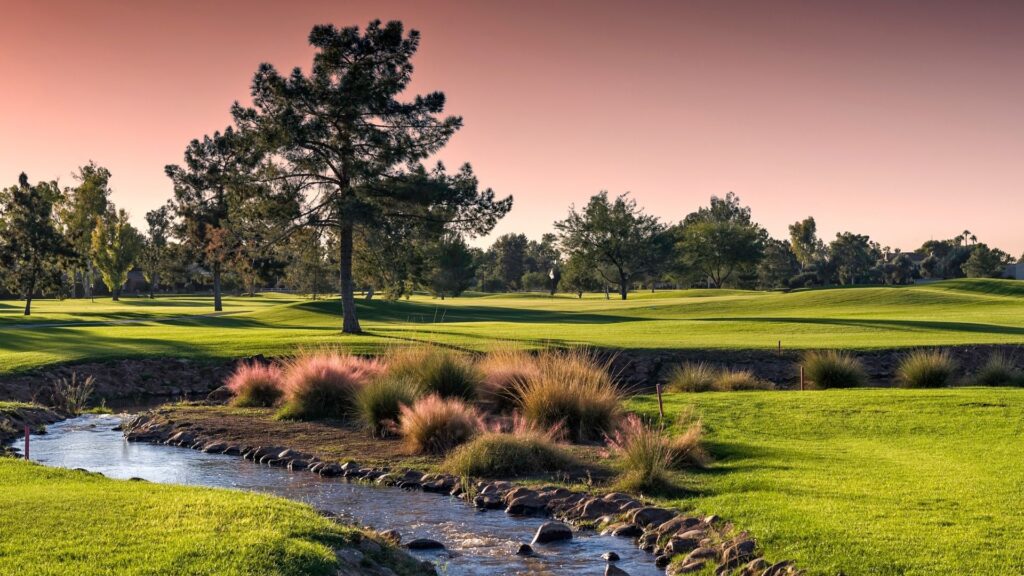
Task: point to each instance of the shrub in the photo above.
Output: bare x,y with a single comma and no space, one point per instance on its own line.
689,377
70,395
525,450
738,381
572,389
926,369
256,385
503,372
999,370
378,404
435,370
833,369
644,456
435,425
686,450
324,384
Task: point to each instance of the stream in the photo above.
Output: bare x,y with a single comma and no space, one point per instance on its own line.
478,542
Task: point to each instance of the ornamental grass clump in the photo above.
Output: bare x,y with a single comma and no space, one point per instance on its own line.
324,385
999,370
739,381
256,385
378,404
692,377
503,372
926,369
436,370
833,369
523,450
435,425
687,450
644,456
573,390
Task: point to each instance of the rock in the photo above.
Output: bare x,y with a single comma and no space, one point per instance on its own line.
488,501
677,524
524,550
370,546
330,470
754,568
610,556
518,493
350,465
297,464
685,567
220,395
627,531
349,556
700,554
525,505
680,545
647,541
392,536
662,561
424,544
651,516
595,508
552,532
438,486
215,447
613,570
738,552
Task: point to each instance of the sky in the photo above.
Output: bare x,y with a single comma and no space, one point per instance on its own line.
901,119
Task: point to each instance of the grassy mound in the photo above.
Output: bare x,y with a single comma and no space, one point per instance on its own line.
57,522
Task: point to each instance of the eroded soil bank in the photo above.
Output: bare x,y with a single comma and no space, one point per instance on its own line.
13,420
177,378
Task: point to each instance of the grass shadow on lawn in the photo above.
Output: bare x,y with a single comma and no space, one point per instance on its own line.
900,325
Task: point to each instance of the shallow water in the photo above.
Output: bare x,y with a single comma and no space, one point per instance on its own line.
478,542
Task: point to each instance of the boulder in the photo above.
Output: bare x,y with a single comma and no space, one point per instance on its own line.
627,531
220,395
329,470
610,556
685,567
424,544
215,447
392,536
524,550
526,505
651,516
594,508
613,570
677,524
552,532
679,545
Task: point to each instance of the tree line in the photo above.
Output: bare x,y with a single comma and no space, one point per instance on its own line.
320,186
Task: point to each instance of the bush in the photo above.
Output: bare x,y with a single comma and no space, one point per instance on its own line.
70,395
525,450
324,384
926,369
503,372
573,390
999,370
435,425
738,381
644,457
435,370
691,377
832,369
256,385
378,404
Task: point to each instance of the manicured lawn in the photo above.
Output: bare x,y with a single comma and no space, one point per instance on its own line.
880,482
947,313
55,521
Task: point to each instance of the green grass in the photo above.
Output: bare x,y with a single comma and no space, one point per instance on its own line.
869,481
55,521
945,313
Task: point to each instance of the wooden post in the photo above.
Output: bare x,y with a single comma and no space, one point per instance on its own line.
780,348
661,405
801,378
26,441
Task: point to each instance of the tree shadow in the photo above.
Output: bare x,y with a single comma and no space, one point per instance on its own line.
898,325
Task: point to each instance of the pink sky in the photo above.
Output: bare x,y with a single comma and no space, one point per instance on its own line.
899,119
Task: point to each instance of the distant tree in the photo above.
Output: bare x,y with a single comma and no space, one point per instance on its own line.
778,265
985,262
449,267
205,187
543,259
154,259
342,139
616,238
853,256
900,270
804,241
309,270
116,245
31,246
82,205
720,240
578,276
509,257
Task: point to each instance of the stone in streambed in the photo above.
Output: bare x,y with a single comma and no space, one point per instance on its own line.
610,556
424,544
613,570
552,532
524,550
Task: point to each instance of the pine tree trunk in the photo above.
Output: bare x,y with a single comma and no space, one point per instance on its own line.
117,294
28,295
350,323
217,306
623,285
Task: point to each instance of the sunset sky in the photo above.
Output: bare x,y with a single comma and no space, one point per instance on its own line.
901,119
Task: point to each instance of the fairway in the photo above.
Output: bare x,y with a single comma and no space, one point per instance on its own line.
945,313
882,482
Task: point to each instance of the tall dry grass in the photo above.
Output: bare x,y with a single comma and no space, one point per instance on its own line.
574,390
256,385
504,371
833,369
435,425
926,369
324,384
